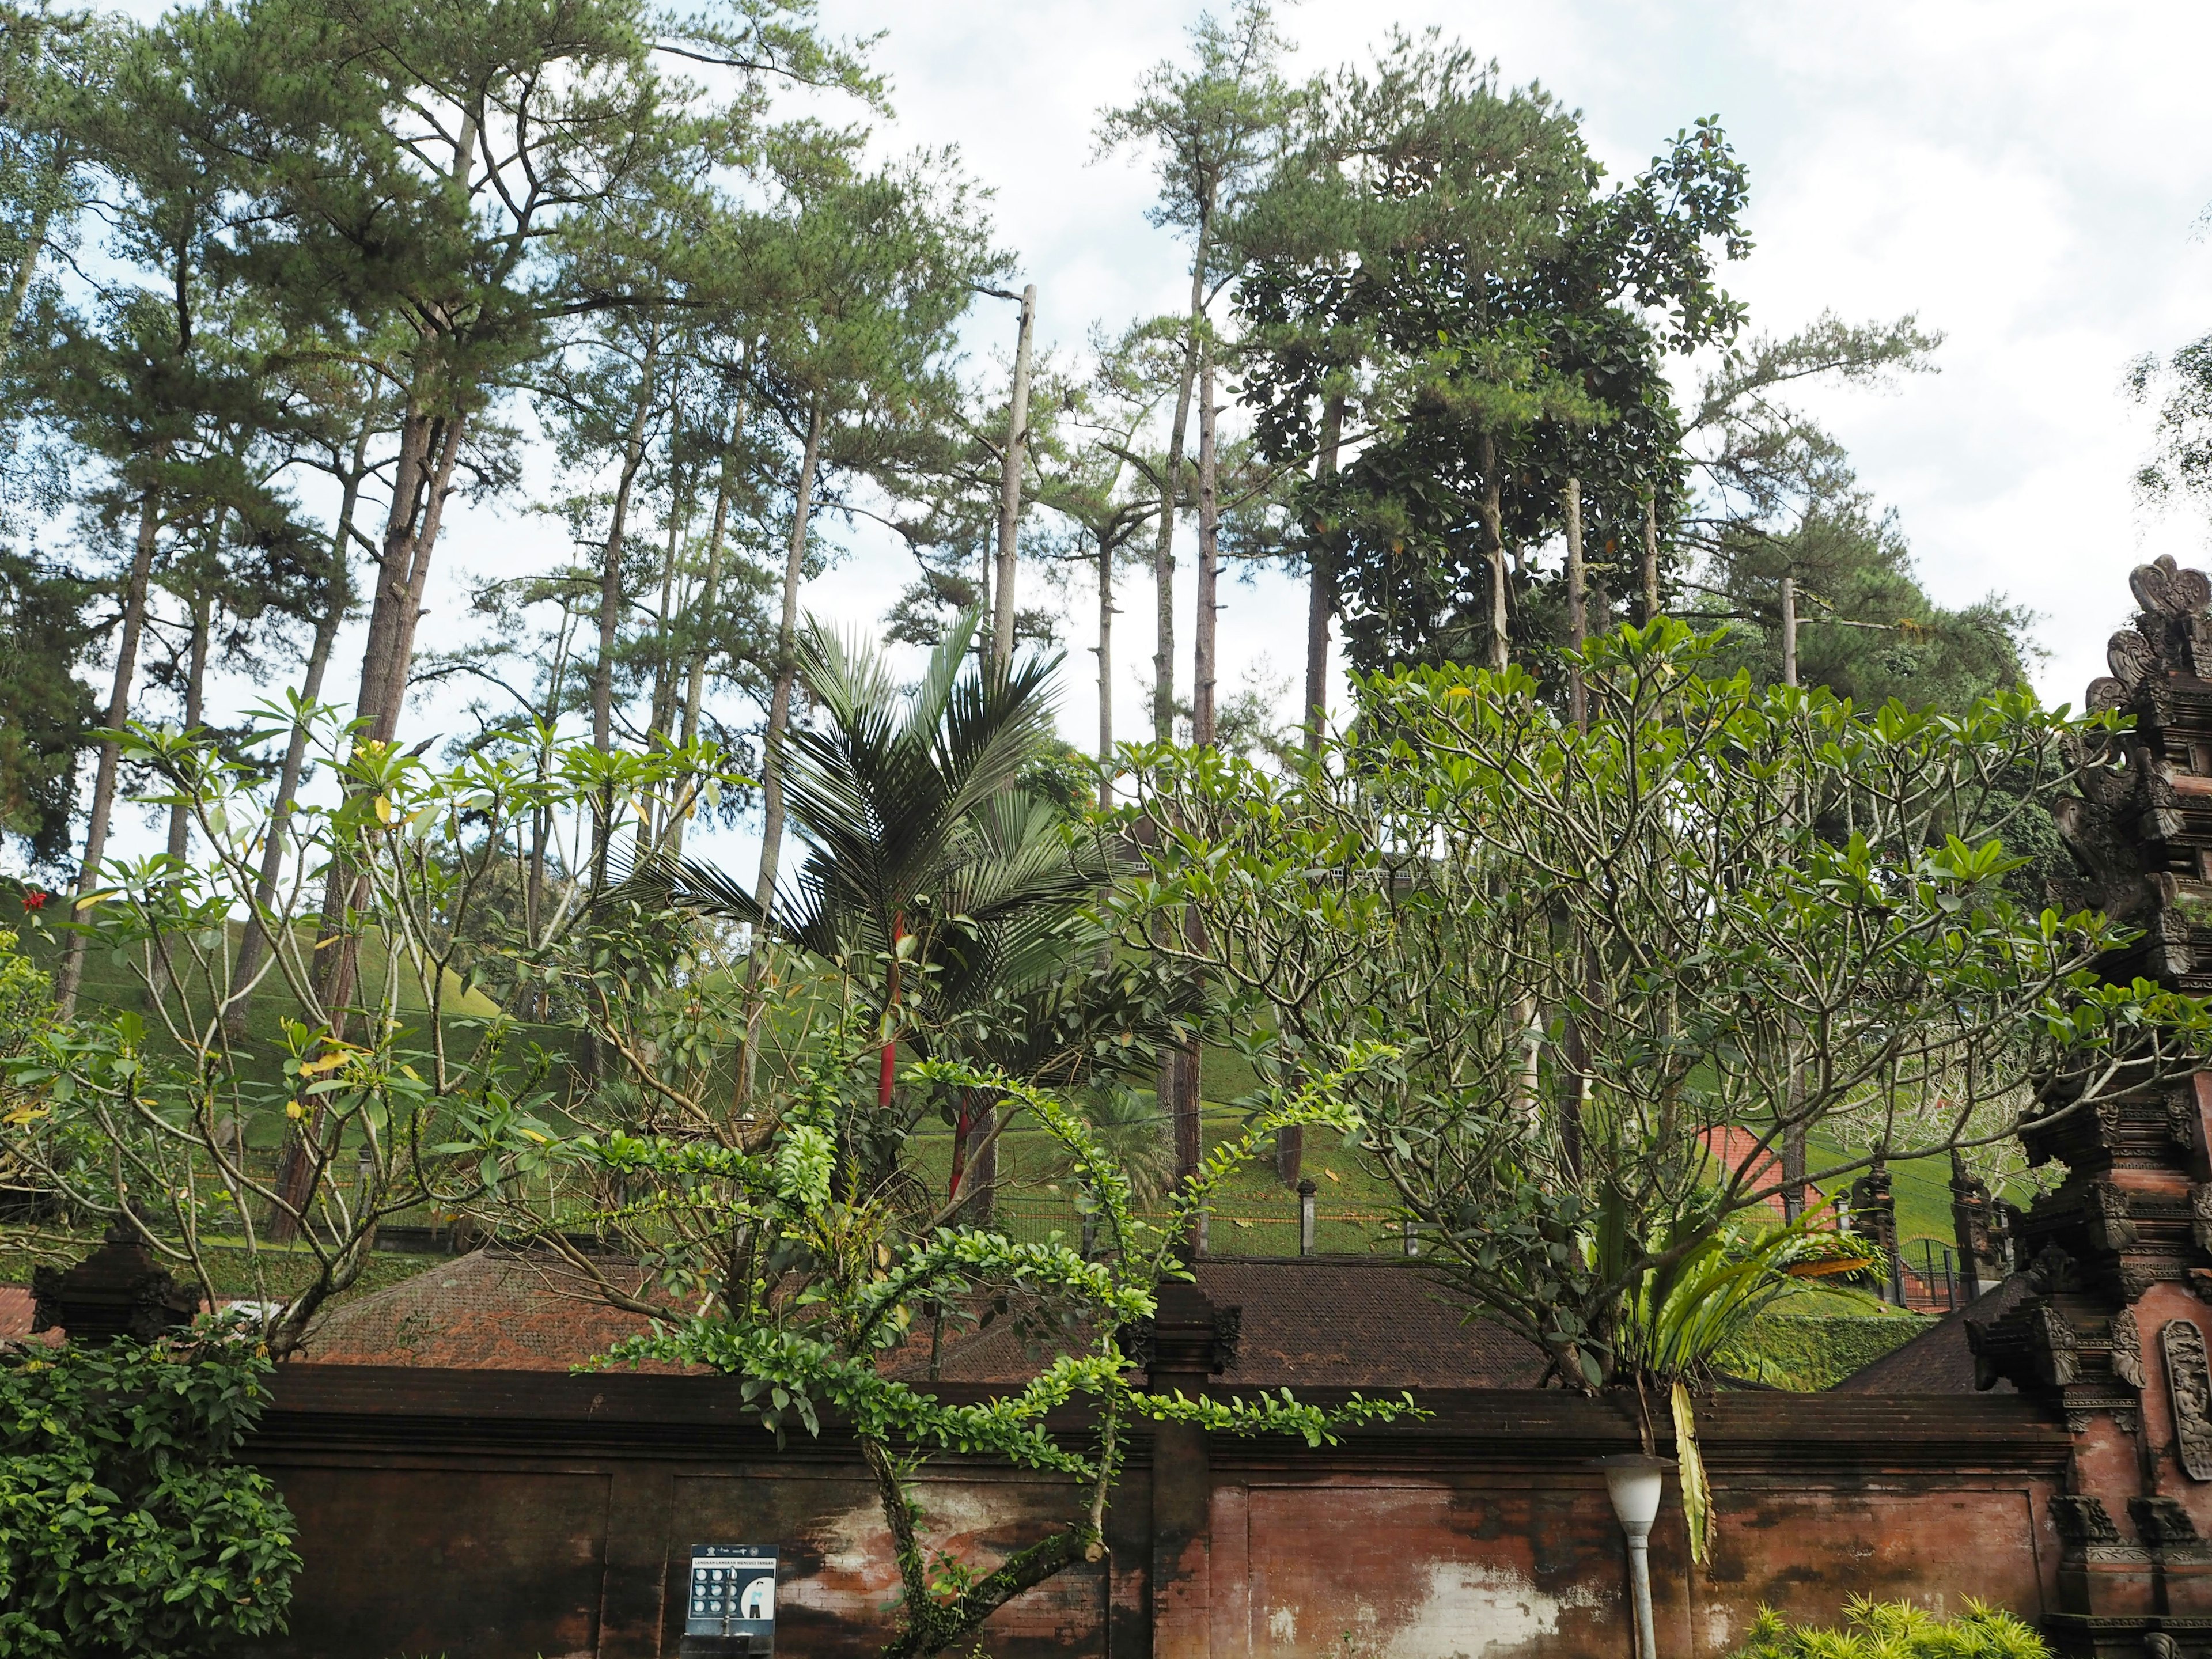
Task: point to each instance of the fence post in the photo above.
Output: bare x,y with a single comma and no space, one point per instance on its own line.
1306,1190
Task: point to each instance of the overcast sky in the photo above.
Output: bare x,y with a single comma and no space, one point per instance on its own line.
2028,178
2025,178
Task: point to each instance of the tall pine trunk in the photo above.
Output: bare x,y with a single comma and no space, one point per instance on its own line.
710,590
1493,528
1164,535
110,753
1009,486
778,719
611,607
34,246
196,664
253,944
1177,1091
1650,557
1205,627
180,817
787,666
1577,603
1105,672
1321,586
1321,611
429,449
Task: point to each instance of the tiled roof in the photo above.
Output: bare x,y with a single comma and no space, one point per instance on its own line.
491,1311
1312,1322
1317,1322
1361,1324
1939,1361
16,1312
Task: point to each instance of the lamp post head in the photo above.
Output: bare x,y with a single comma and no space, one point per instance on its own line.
1632,1480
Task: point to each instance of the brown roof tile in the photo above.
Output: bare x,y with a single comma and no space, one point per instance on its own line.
1311,1322
1939,1360
490,1310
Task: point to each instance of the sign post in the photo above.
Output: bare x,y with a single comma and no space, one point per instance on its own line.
730,1607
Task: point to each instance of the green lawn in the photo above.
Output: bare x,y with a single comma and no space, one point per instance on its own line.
1810,1339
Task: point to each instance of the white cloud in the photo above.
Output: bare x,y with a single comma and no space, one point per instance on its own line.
2025,177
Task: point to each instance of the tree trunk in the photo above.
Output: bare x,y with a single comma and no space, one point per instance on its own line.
611,607
1578,607
983,1169
418,432
710,591
1164,536
429,449
111,754
34,246
1206,633
541,816
1493,529
1793,1134
1650,556
1320,592
662,723
787,666
1321,611
1009,487
180,817
1789,630
252,945
1105,672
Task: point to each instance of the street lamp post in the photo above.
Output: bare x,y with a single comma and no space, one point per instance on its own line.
1632,1480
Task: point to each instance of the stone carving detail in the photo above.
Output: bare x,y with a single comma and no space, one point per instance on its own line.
2191,1385
2110,1226
2052,1342
2127,1349
2200,1214
117,1290
2134,1278
2052,1271
2157,1644
1228,1336
2082,1520
2162,1523
2181,1118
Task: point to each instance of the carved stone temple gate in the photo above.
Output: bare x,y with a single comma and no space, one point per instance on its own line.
2112,1332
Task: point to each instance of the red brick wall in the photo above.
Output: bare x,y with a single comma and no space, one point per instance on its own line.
489,1513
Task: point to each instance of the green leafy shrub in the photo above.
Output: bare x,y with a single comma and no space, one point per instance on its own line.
27,996
1896,1630
127,1525
1807,1353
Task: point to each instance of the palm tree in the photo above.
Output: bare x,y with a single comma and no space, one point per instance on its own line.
948,894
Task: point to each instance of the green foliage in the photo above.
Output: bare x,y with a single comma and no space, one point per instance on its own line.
1866,629
1721,907
46,710
1437,268
1896,1630
836,1268
1805,1353
140,1112
127,1524
27,997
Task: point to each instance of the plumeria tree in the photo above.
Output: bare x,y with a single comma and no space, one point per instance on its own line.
419,1091
1615,966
